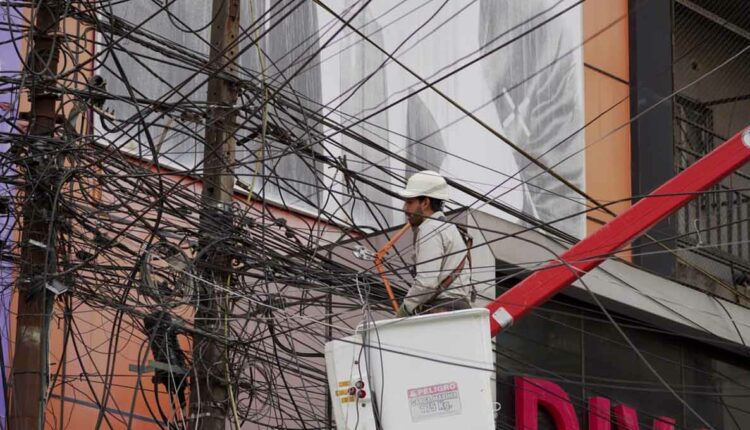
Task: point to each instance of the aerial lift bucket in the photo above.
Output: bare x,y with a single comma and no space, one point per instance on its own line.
427,372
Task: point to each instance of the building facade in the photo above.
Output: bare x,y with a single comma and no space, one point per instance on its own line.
616,96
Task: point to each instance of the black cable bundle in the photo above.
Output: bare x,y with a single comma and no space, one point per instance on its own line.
166,350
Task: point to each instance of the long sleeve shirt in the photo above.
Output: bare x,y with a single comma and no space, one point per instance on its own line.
439,249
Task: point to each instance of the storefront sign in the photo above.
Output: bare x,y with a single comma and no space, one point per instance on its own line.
535,393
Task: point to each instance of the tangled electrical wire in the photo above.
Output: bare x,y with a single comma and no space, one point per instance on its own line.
131,241
130,246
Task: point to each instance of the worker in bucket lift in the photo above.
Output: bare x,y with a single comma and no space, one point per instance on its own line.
441,281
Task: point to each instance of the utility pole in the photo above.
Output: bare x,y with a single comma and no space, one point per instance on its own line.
209,389
29,374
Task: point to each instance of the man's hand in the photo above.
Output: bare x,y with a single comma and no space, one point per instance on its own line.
402,312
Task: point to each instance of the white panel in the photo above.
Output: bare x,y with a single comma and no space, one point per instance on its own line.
431,372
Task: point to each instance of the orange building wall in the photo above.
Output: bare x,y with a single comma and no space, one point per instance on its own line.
607,106
73,404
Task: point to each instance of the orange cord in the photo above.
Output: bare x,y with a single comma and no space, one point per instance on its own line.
379,264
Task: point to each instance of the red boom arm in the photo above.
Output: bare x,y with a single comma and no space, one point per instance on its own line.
595,249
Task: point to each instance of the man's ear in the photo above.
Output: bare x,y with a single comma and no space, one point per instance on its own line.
424,203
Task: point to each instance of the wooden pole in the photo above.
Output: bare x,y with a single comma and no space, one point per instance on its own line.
28,383
209,392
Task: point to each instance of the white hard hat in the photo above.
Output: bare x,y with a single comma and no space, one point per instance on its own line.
426,184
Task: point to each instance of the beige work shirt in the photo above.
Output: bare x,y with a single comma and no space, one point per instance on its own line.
438,251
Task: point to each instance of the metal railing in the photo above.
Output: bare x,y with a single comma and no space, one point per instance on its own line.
717,223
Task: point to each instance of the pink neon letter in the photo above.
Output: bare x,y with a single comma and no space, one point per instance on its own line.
626,417
532,393
599,414
664,423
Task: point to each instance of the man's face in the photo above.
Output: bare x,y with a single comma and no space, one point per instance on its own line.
414,208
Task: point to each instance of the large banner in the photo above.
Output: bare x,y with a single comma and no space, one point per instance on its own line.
515,65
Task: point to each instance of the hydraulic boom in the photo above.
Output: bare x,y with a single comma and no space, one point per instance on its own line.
595,249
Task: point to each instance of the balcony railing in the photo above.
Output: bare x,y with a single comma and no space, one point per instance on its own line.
716,225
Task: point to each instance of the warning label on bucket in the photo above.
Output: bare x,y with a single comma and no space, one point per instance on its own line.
434,401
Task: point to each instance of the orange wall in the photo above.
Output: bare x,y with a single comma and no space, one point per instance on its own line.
75,400
95,326
607,106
